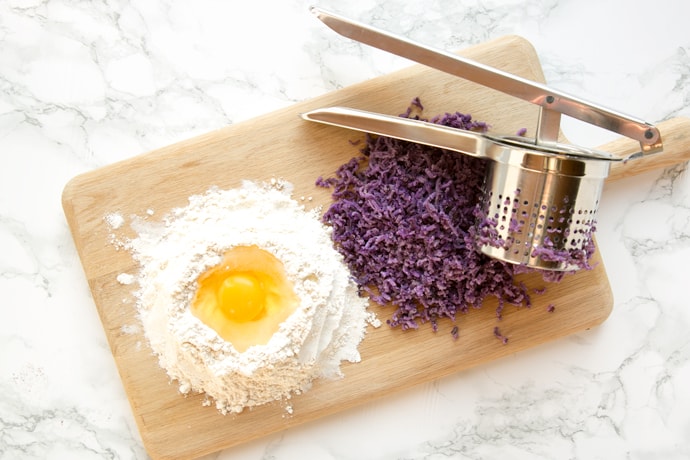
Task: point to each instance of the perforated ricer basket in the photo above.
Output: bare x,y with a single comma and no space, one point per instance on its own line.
540,196
540,209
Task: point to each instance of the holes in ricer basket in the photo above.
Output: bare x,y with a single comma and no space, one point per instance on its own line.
516,246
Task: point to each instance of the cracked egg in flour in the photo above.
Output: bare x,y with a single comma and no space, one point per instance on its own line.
242,296
246,297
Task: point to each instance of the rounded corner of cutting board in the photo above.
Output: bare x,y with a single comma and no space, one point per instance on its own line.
71,189
521,44
520,47
76,189
606,294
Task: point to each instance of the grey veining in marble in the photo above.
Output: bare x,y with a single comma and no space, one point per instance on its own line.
85,84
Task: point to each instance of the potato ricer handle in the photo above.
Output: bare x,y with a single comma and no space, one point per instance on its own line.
407,129
676,150
553,103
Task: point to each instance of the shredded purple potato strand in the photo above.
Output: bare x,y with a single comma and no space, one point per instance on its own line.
404,218
499,336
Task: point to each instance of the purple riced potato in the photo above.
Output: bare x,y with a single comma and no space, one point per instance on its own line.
404,217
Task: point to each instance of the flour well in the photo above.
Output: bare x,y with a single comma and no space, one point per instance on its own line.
311,343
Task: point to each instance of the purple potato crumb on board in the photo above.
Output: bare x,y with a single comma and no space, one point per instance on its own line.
499,336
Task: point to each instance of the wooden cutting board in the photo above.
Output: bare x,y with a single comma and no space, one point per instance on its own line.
281,145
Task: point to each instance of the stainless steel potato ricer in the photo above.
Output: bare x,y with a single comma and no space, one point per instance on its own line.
540,196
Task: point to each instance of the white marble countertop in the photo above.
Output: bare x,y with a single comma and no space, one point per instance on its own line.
85,84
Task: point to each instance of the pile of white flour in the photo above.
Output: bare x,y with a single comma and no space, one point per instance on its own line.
324,330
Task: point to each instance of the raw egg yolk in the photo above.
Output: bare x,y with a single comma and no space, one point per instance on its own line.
241,296
246,297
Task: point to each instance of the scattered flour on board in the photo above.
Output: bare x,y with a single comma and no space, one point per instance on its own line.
130,329
114,220
311,343
125,278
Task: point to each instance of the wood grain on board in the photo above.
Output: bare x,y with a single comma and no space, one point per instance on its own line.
282,145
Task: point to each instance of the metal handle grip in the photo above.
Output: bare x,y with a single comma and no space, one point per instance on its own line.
676,150
552,102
